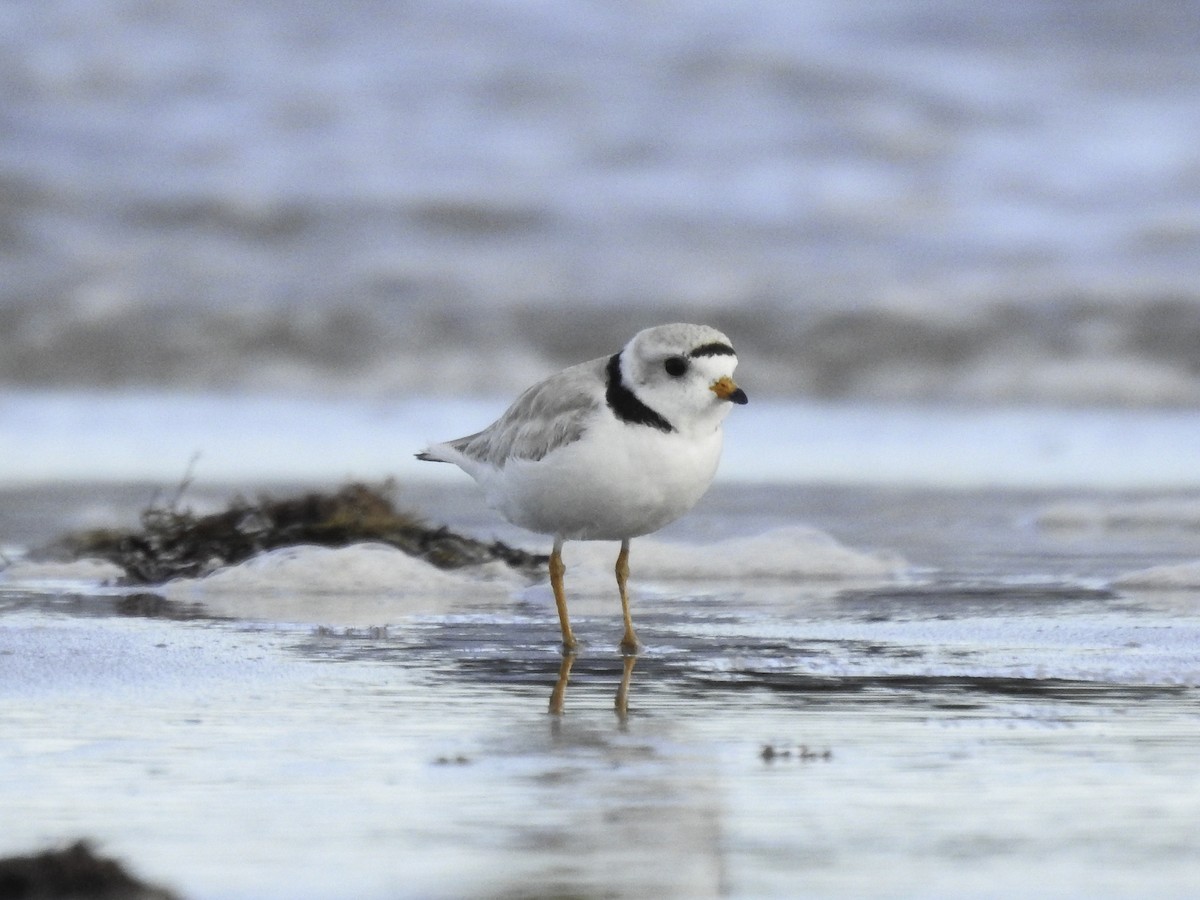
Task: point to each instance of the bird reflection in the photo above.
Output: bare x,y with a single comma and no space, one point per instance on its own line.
621,703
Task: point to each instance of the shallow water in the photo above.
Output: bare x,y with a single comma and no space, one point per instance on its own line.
994,718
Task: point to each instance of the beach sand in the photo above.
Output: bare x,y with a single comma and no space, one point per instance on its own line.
844,691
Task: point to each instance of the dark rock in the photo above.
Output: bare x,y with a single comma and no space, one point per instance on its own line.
72,872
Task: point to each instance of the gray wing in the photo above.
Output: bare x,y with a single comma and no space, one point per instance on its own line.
549,415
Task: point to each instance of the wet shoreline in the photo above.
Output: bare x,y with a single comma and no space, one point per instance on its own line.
1002,717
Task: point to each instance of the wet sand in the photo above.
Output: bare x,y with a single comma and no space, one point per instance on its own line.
988,723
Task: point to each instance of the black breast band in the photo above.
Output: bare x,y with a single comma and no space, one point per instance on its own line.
625,404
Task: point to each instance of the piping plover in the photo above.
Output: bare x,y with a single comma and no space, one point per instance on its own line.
609,449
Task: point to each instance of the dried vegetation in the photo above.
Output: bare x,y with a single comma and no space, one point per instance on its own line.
176,543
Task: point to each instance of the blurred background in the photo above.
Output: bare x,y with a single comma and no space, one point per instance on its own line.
946,200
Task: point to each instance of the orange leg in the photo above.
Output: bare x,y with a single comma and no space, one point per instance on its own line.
629,643
557,570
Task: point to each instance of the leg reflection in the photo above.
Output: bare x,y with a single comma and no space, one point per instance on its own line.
560,687
558,695
622,701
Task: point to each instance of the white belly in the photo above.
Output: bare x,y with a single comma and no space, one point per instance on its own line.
628,481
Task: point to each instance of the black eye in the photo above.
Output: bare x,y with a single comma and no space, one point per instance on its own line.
675,365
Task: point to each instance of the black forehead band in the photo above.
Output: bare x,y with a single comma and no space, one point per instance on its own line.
716,348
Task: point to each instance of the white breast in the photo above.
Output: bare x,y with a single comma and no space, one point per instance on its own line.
618,481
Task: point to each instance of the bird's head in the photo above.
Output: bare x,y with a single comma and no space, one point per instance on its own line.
684,373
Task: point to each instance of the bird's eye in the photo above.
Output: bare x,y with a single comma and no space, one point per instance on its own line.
675,366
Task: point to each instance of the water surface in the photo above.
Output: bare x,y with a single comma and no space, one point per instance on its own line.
995,717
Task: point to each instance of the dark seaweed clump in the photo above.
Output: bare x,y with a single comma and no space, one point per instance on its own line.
74,871
176,543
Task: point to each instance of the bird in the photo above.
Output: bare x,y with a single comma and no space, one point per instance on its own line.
607,450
